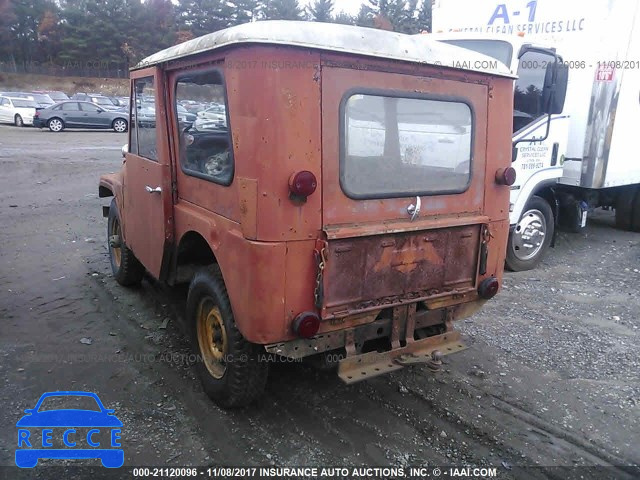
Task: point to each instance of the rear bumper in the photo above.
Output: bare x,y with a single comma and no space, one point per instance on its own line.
38,123
402,329
361,367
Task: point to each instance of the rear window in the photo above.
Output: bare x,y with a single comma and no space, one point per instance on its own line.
24,103
395,146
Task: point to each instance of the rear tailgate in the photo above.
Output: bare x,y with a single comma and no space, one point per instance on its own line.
376,253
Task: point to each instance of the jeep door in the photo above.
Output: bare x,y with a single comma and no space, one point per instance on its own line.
147,213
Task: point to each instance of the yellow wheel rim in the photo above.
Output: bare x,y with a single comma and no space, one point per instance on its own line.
212,337
116,252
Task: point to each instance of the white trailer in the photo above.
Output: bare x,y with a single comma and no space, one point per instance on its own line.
585,157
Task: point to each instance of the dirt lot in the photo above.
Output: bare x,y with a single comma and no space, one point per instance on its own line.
550,378
69,85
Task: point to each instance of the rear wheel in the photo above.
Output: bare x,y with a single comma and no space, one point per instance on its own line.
531,237
55,125
628,210
120,125
18,121
230,368
126,268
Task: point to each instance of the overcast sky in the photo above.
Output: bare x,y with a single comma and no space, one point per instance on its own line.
350,6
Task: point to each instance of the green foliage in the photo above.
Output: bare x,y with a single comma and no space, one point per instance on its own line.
320,11
118,33
281,10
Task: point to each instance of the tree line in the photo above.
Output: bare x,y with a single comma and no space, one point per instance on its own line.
121,32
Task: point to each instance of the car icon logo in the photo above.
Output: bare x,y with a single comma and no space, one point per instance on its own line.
82,433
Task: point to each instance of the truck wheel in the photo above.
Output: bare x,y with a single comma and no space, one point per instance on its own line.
229,367
625,204
531,237
635,214
126,268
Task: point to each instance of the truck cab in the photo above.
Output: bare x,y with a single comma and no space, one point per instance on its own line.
347,205
540,136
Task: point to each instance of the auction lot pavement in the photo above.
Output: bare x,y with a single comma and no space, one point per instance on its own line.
550,378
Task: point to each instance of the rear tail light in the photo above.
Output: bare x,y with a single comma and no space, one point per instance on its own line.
506,176
488,288
37,114
306,324
302,184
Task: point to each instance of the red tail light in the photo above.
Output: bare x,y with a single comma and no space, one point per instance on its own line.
506,176
306,324
37,114
302,184
488,288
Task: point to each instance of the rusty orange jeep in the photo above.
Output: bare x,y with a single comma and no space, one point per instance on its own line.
327,191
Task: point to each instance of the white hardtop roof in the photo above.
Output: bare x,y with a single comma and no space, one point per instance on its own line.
363,41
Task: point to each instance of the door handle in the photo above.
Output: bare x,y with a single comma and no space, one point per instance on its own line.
153,190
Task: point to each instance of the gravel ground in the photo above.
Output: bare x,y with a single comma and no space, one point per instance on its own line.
550,377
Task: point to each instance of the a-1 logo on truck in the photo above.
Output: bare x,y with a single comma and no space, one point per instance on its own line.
501,12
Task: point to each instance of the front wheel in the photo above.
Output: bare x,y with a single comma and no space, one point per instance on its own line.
119,125
18,121
126,268
531,237
55,125
231,369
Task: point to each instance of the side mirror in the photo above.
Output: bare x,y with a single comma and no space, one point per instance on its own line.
554,91
125,150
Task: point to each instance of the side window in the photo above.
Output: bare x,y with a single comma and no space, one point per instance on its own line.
72,106
201,111
527,101
4,102
88,107
143,116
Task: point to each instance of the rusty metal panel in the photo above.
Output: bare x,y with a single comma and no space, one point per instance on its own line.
374,267
248,200
277,133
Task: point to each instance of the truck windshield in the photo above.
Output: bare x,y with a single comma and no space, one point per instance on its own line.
497,49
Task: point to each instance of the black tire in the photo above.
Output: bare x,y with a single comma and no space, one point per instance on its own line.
537,209
120,125
126,268
18,122
239,376
625,204
55,124
635,214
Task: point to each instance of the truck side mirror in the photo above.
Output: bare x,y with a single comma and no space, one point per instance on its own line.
555,87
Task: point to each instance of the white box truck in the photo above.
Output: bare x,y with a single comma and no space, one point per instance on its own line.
586,156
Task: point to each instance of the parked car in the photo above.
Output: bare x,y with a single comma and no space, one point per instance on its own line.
104,102
72,114
184,115
42,100
55,95
19,111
